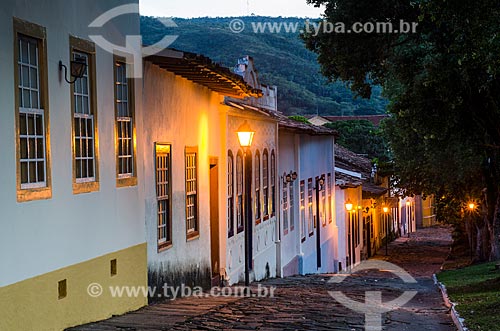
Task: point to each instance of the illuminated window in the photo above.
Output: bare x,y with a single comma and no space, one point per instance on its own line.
291,210
84,126
330,197
310,214
257,188
31,115
285,208
33,180
163,195
230,194
192,225
323,204
84,119
303,210
239,192
265,182
124,112
273,183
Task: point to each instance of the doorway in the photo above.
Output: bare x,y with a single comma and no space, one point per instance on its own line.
214,220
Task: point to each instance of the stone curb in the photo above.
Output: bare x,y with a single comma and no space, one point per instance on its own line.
459,322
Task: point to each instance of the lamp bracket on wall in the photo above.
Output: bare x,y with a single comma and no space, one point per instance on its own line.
78,67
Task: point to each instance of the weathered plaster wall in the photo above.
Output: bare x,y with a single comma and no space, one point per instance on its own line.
180,113
265,233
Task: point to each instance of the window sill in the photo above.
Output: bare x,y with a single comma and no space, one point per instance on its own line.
164,247
126,182
26,195
81,188
193,236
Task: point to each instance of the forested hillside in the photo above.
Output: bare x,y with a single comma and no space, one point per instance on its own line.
280,58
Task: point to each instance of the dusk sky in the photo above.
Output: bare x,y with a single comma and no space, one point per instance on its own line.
225,8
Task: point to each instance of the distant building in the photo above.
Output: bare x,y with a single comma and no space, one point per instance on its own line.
322,120
309,225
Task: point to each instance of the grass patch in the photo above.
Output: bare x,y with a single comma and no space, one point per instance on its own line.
476,291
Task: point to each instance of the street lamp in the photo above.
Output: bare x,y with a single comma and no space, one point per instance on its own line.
348,205
245,138
472,207
385,209
245,135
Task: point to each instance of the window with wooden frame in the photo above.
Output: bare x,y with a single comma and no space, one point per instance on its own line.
126,174
163,194
258,205
323,203
330,197
192,219
303,210
291,211
265,182
84,118
310,207
32,112
355,215
239,192
284,208
273,183
230,194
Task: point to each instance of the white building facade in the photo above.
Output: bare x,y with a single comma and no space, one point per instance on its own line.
308,226
71,215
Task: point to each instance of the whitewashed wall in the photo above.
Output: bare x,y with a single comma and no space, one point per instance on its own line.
41,236
316,158
180,113
290,247
265,233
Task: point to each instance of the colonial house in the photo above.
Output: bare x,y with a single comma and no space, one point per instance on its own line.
408,215
425,212
251,180
308,231
363,204
72,220
185,155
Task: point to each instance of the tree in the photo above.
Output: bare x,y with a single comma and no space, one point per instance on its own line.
443,83
361,137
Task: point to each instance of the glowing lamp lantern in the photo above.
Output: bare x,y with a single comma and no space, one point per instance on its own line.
348,205
245,135
472,206
385,209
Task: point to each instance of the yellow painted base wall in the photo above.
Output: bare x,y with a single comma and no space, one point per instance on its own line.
34,304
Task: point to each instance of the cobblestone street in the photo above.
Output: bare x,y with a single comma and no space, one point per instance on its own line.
303,302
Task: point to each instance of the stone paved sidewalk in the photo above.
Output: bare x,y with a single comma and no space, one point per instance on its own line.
303,302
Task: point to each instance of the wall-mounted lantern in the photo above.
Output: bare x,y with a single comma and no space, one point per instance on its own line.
245,135
78,67
348,205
